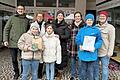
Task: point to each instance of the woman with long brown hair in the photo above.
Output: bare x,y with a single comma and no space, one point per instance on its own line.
76,25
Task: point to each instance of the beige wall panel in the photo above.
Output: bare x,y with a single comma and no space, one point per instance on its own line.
91,5
80,5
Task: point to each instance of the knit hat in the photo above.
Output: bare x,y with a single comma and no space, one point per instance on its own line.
35,24
60,11
89,16
104,12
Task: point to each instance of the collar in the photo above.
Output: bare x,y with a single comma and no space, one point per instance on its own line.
49,36
103,25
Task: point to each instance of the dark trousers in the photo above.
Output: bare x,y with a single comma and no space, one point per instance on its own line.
14,53
40,70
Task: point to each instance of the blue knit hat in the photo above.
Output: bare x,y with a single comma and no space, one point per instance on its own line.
89,16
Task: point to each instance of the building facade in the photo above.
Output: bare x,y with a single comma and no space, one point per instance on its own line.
7,8
52,6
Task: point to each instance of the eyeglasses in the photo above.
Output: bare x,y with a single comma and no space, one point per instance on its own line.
20,9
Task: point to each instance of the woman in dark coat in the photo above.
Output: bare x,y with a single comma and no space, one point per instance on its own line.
61,28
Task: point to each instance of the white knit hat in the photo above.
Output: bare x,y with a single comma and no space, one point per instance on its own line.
34,24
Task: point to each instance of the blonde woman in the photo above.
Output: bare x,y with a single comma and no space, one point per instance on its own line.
39,19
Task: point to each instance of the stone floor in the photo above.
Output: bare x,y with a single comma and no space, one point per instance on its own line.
6,69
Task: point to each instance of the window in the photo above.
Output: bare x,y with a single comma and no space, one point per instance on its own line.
26,2
46,3
66,3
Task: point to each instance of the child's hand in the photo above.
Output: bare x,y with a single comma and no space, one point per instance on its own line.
92,50
30,48
80,48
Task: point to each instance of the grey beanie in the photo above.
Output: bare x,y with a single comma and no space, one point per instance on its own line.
34,24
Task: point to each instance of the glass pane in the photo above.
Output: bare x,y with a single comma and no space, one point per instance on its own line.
46,3
26,2
66,3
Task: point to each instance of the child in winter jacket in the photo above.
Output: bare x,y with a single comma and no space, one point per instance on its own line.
89,41
52,52
31,44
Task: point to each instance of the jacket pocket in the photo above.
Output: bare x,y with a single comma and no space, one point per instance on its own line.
104,34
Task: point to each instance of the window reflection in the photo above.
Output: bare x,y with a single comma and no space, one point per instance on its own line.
46,3
66,3
26,2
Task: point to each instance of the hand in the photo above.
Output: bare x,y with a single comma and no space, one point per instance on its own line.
6,43
30,48
80,48
109,54
92,50
57,62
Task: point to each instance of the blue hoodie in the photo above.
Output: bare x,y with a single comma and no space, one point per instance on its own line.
89,31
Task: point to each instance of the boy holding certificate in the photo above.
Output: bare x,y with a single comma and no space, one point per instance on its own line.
89,41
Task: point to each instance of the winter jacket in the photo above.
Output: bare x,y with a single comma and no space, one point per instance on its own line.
14,28
108,36
24,42
42,31
64,33
62,30
89,31
73,32
52,50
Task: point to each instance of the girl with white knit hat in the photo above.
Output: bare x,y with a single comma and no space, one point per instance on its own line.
31,45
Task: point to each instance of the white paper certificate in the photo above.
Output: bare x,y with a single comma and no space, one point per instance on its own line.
88,43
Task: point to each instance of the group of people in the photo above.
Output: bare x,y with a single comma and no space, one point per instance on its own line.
43,42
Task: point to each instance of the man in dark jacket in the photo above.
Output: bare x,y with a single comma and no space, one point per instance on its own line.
61,28
14,28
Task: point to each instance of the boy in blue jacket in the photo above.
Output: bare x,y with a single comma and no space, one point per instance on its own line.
90,55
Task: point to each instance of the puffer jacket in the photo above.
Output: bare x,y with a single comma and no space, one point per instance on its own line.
52,50
24,42
42,31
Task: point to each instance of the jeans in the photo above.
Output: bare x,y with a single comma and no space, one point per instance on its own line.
50,71
79,69
14,54
27,65
87,70
73,66
104,62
